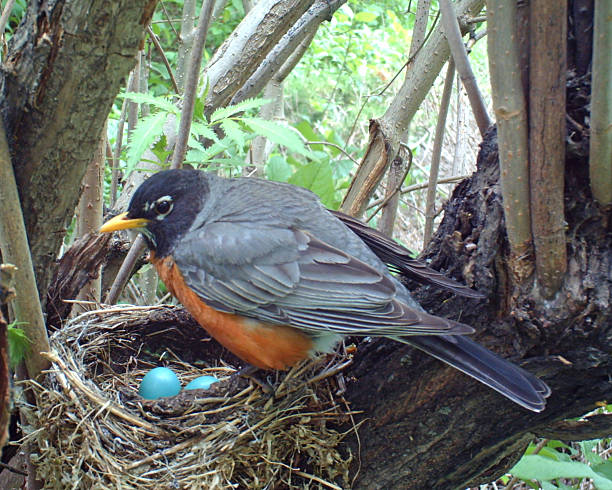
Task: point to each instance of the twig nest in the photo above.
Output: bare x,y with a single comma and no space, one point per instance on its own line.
91,429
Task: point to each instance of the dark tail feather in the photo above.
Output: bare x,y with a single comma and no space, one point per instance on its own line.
401,260
473,359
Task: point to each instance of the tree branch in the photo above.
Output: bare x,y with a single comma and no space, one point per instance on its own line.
436,153
305,28
16,250
240,55
547,52
455,42
511,117
191,84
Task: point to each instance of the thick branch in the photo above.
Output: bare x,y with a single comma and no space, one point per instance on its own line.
511,117
547,52
305,27
15,250
239,56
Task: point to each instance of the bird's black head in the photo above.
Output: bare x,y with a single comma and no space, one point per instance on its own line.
163,208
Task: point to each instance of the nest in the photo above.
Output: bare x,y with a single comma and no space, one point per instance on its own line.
90,429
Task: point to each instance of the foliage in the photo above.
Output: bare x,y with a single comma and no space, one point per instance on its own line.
18,344
559,465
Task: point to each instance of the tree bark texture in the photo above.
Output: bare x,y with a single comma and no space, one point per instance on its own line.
547,56
240,55
429,426
65,65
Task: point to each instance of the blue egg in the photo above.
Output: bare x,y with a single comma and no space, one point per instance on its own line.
158,383
201,383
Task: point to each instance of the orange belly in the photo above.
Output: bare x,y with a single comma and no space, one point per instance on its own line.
261,344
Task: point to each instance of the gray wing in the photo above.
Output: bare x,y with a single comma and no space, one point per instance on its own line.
287,276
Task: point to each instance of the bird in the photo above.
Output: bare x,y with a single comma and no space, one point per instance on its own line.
276,278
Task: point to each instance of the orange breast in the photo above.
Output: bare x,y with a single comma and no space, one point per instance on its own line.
261,344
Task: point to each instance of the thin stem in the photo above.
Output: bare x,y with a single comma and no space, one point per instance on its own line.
437,152
161,52
125,271
6,15
191,84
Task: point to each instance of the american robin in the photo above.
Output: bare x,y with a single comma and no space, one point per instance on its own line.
275,277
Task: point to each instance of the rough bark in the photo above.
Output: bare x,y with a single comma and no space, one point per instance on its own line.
238,57
429,426
55,103
547,56
78,266
304,28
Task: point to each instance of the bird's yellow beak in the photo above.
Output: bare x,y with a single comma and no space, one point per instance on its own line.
122,222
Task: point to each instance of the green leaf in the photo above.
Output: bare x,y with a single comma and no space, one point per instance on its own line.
234,132
162,103
587,450
278,169
310,134
146,132
18,344
245,105
278,134
199,157
317,176
604,469
536,467
159,149
204,130
365,16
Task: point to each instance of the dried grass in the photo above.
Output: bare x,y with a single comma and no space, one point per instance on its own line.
90,428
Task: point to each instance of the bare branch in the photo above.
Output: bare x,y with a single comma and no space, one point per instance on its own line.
436,153
305,28
191,84
240,55
185,40
453,34
397,170
6,14
164,58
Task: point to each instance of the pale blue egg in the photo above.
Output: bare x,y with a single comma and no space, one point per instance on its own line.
159,382
201,383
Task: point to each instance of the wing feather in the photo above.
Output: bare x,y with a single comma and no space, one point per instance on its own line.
287,276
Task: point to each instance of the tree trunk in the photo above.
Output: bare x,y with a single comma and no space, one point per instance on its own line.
55,102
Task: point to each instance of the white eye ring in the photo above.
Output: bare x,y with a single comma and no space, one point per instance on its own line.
163,206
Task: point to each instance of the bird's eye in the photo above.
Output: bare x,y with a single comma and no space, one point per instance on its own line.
163,206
